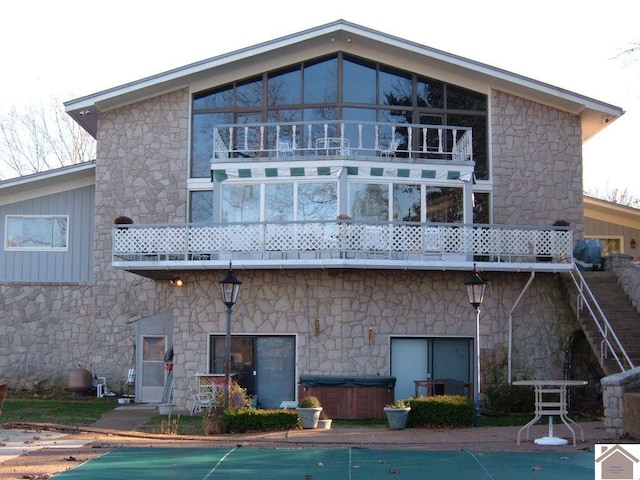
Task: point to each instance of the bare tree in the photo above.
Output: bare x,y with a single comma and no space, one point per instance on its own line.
41,137
615,195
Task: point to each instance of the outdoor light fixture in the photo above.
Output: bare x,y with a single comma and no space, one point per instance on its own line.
229,289
633,243
176,282
476,287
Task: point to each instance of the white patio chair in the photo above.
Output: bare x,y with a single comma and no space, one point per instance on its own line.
283,149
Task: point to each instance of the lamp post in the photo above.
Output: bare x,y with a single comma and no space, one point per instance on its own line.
475,290
229,288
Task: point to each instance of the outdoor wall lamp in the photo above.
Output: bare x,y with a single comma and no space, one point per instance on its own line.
229,289
176,282
476,287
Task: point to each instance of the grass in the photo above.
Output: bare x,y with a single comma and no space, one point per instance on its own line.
64,411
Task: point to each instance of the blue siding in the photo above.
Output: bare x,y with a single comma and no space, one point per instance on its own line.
74,265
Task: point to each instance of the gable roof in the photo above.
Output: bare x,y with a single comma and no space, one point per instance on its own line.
346,36
611,212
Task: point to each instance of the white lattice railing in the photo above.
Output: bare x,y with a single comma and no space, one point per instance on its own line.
346,239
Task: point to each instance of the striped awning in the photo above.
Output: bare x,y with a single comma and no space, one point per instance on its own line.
441,172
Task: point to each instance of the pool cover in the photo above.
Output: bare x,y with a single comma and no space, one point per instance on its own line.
330,464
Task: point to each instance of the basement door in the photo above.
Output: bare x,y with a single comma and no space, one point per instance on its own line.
429,359
154,339
264,365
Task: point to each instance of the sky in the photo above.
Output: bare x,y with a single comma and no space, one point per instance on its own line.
70,48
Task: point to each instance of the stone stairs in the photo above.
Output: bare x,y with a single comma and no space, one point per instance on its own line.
619,311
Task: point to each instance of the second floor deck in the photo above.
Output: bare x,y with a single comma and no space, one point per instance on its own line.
158,250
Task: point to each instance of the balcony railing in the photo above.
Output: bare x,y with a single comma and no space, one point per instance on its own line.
336,242
346,138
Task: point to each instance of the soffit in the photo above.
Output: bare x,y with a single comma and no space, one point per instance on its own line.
351,38
611,212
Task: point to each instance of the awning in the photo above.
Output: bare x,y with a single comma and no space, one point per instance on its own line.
439,172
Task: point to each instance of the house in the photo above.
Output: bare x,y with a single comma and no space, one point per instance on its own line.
354,181
616,226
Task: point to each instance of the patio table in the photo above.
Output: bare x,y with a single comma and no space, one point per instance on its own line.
555,406
333,146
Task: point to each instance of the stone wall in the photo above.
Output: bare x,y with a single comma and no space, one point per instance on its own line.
628,273
44,332
390,303
613,389
537,163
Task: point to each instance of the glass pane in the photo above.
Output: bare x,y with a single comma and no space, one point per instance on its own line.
321,81
14,232
153,349
249,93
285,87
37,232
364,137
240,203
201,206
358,81
395,87
278,202
276,376
369,201
430,93
59,232
479,133
202,142
444,204
481,213
406,203
459,98
317,201
218,98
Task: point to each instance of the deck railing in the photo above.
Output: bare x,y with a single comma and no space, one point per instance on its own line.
422,242
299,139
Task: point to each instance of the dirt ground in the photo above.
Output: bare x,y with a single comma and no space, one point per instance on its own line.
44,462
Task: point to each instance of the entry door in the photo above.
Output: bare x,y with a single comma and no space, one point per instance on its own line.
409,362
152,377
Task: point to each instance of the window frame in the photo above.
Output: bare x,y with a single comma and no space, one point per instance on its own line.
42,248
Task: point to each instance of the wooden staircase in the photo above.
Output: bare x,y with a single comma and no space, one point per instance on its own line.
623,320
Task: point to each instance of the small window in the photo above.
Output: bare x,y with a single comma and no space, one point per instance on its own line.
37,232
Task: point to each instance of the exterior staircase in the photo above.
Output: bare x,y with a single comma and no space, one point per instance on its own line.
616,319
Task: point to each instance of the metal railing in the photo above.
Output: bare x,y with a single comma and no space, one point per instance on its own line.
340,239
610,343
299,139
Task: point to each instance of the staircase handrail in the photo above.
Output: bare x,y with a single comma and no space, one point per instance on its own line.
607,332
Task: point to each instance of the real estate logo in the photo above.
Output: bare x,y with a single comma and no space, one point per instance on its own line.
615,461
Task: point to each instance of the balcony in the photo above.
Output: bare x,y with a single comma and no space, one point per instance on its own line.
327,139
156,251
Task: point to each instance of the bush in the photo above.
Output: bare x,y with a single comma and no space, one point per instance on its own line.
442,411
246,420
506,399
309,402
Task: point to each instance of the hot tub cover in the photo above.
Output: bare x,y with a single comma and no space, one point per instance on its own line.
347,381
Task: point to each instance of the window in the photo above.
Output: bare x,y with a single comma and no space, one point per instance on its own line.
37,232
610,245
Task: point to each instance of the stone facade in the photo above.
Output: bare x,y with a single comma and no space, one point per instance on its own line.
628,273
537,163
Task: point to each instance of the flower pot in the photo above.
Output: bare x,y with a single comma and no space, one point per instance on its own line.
397,417
324,424
165,408
309,416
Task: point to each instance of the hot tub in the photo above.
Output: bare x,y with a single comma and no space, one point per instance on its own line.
349,397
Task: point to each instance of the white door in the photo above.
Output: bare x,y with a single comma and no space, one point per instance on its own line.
409,362
153,374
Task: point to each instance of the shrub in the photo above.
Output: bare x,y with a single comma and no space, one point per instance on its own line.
245,420
309,402
505,399
442,411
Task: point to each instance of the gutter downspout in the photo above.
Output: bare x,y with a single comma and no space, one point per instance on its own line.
526,287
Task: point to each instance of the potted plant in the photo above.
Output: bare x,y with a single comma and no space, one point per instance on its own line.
309,409
397,414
